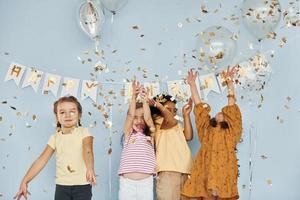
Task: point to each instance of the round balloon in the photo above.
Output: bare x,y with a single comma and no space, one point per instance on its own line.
113,5
91,19
261,17
216,47
253,74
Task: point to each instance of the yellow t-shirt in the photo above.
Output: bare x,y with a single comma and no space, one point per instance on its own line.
70,165
172,150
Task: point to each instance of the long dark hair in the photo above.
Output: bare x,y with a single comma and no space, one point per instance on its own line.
67,99
162,98
213,122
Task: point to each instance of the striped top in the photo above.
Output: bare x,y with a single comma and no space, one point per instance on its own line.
137,155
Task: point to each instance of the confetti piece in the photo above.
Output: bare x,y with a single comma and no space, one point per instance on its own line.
34,117
283,41
109,152
264,157
179,25
70,169
28,125
269,182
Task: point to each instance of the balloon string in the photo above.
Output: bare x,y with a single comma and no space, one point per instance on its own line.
252,145
97,45
110,157
112,18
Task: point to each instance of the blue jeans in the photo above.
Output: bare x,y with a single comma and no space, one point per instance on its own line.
74,192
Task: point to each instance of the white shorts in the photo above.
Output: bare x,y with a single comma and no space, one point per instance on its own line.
136,189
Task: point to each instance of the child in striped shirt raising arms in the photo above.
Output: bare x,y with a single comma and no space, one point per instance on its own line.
137,165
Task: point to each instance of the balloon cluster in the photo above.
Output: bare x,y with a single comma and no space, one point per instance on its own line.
216,45
91,16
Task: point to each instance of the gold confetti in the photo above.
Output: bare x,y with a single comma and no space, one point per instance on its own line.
70,169
135,27
269,182
109,152
264,157
204,9
271,35
283,41
34,117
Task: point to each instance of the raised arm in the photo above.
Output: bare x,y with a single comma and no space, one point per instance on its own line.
34,170
88,156
131,111
147,113
191,80
169,121
188,130
229,75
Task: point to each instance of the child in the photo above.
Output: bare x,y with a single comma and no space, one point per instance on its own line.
73,146
137,164
173,156
215,170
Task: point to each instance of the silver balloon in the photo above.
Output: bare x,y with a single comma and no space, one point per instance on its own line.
261,17
216,47
253,75
91,19
113,5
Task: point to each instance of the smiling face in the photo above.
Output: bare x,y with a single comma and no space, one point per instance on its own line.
138,121
67,114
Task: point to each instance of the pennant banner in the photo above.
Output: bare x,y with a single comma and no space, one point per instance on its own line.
51,83
15,72
33,78
89,89
180,90
153,90
70,87
208,83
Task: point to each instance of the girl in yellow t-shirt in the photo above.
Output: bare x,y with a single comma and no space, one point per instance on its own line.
73,146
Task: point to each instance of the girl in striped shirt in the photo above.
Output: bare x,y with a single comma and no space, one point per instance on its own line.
137,164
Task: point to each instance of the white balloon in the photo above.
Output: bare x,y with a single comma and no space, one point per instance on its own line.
113,5
216,47
261,17
91,19
254,74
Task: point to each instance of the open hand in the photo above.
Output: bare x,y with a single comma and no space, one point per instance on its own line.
187,108
229,73
135,88
22,192
191,77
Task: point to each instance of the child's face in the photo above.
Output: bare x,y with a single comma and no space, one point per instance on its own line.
67,114
171,107
138,121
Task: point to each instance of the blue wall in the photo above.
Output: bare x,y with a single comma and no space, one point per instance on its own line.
46,34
